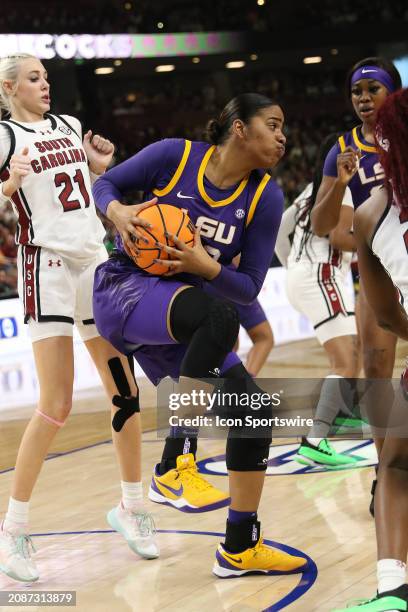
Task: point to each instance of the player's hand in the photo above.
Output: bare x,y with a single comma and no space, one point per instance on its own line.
99,152
20,166
347,164
192,259
126,220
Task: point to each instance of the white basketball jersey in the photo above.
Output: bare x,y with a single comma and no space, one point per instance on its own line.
314,249
55,207
390,244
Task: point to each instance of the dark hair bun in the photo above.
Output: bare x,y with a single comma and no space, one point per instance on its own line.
213,131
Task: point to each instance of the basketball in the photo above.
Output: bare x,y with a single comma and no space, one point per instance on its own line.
163,218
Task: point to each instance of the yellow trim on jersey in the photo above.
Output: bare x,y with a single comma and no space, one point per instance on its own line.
361,145
342,144
257,196
178,172
200,184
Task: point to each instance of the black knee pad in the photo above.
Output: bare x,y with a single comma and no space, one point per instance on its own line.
128,405
223,324
247,454
208,326
242,399
194,310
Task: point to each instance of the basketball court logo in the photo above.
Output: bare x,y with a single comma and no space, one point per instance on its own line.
282,459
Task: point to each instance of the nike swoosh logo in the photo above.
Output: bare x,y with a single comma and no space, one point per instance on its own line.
365,71
233,558
178,492
180,195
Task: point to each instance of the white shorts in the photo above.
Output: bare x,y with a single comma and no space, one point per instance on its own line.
57,292
320,292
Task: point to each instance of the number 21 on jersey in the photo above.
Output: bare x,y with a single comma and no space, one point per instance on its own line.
74,194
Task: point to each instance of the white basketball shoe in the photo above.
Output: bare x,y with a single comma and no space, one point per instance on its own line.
138,529
16,562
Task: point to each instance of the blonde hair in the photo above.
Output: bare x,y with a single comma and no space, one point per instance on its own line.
9,68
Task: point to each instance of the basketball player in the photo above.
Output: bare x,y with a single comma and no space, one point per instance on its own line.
237,208
381,227
354,162
317,270
45,174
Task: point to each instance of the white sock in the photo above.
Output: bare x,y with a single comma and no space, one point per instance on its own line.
391,574
17,514
132,494
314,441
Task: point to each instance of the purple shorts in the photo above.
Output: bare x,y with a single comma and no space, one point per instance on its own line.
130,311
250,315
159,355
119,290
157,362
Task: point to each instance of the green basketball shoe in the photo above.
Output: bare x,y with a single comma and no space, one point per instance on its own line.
323,455
395,601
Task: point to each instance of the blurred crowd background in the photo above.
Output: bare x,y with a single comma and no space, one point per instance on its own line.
135,106
141,16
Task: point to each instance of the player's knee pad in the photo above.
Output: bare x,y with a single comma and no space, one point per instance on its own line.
49,419
247,454
195,310
128,405
222,324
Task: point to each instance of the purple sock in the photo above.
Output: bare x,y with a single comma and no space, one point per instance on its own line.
235,516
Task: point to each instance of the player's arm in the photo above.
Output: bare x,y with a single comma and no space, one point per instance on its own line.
141,172
262,343
380,291
339,169
341,237
99,150
20,167
287,227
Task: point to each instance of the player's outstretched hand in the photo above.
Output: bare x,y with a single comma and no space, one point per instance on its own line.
347,164
20,166
99,152
126,220
194,260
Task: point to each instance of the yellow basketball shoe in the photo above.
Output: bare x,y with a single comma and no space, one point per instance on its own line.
185,489
257,559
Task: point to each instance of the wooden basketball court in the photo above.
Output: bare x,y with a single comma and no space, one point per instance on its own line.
324,515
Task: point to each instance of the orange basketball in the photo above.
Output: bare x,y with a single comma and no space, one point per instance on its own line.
163,218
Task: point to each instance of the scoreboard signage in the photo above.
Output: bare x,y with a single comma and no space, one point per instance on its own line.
119,46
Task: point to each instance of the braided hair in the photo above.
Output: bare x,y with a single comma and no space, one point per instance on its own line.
303,216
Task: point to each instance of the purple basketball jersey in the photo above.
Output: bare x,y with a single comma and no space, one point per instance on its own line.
242,219
370,174
222,215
